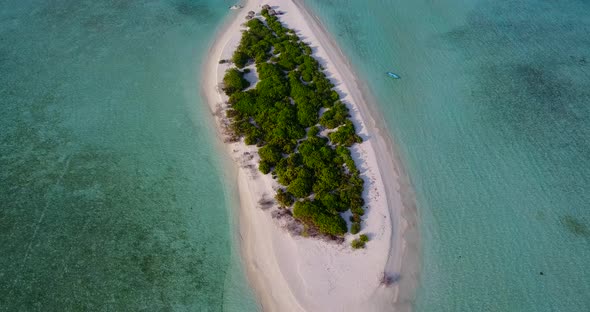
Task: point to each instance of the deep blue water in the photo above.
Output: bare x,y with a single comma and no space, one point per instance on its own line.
492,121
112,195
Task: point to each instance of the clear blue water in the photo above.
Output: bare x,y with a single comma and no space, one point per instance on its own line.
112,194
492,121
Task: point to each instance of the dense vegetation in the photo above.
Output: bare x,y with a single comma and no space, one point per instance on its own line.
307,153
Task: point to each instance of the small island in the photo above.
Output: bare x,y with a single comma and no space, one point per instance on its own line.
300,125
321,220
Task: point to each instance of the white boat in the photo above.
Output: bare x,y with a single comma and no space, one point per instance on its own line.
392,75
236,7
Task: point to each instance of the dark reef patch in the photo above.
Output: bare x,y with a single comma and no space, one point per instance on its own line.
536,74
533,89
527,97
193,9
575,226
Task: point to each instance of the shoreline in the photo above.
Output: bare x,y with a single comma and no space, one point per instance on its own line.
406,262
295,273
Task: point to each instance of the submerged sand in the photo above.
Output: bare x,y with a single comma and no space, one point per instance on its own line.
302,274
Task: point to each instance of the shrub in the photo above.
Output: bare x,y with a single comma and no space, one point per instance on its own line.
267,70
313,131
250,140
335,116
345,135
331,202
270,154
306,76
300,187
334,96
310,213
355,228
264,167
272,89
364,238
357,211
307,50
328,178
307,115
244,103
240,59
284,198
234,81
358,244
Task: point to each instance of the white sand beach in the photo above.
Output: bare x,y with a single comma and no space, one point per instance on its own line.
304,274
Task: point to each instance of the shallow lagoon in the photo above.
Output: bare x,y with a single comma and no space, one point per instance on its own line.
101,212
492,121
112,193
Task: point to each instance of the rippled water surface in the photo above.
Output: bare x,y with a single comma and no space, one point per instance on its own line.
112,196
492,120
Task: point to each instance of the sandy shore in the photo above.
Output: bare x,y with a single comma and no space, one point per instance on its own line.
300,274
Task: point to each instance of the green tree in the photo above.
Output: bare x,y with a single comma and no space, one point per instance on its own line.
355,228
234,81
240,59
312,214
284,198
335,116
264,167
270,154
345,135
300,187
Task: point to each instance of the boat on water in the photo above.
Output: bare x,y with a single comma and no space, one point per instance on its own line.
392,75
236,7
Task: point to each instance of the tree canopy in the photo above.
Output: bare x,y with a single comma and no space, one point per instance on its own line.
282,116
234,81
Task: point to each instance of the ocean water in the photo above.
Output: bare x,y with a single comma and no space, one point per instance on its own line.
492,121
112,193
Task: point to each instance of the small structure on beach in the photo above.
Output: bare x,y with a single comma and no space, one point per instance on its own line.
266,7
250,15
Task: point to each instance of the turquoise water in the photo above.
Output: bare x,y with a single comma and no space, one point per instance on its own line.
112,194
492,120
